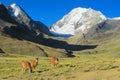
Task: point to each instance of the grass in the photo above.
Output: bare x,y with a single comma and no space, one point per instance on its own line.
103,65
68,68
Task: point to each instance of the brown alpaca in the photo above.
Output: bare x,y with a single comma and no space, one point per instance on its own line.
34,63
26,66
54,61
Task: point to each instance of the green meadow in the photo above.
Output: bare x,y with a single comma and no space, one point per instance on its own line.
82,67
101,63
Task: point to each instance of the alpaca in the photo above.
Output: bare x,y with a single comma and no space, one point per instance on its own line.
54,61
34,63
26,66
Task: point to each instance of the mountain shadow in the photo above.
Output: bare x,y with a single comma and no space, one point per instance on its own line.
64,45
24,34
20,33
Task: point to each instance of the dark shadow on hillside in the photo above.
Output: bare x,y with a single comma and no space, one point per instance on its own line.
1,51
64,45
21,34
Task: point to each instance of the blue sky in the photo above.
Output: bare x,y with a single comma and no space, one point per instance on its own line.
50,11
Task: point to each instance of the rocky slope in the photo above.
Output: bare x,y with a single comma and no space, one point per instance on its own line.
106,30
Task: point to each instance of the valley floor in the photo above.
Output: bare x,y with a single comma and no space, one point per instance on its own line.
82,67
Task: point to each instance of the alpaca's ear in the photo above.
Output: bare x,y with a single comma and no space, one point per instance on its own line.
37,58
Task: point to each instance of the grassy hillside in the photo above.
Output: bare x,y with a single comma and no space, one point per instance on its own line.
101,63
23,47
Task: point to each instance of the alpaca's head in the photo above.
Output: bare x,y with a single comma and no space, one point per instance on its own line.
37,59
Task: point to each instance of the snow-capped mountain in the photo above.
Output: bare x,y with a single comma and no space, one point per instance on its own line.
79,20
20,16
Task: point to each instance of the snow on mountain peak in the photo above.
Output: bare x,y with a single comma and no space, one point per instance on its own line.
79,9
13,4
15,9
79,19
19,14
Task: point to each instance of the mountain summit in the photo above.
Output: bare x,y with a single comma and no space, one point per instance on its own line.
20,16
14,10
79,20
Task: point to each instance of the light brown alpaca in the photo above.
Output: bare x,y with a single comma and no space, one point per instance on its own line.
26,66
34,63
54,61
